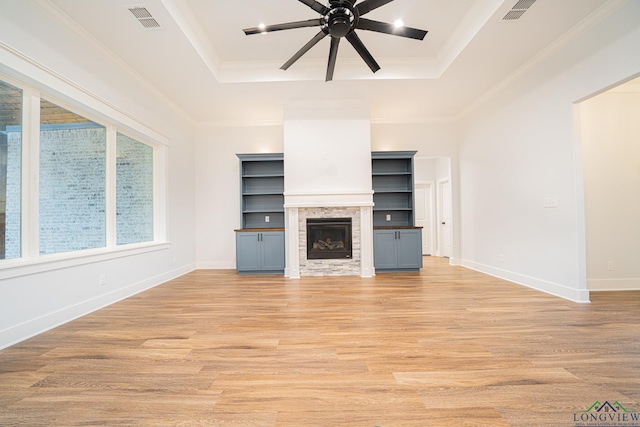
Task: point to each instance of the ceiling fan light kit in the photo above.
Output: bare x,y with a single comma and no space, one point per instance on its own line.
339,19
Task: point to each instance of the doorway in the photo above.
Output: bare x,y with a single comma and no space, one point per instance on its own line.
609,131
445,234
433,205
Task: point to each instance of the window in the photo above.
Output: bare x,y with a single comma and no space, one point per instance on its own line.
72,181
75,179
134,191
10,170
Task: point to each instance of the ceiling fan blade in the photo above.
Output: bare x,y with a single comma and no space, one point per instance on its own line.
368,5
304,50
383,27
362,51
286,26
333,55
318,7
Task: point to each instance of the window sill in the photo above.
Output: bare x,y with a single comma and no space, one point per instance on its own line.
43,263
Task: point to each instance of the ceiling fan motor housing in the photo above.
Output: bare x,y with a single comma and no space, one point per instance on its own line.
340,19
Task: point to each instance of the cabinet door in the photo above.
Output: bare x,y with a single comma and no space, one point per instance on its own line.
409,248
384,249
247,251
272,250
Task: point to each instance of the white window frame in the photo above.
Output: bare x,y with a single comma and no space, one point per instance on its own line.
74,98
159,234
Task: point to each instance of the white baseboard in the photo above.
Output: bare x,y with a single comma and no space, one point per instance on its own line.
33,327
598,285
556,289
215,265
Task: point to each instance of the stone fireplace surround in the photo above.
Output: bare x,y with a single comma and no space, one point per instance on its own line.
358,207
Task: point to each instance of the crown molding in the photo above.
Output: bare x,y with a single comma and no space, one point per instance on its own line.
313,69
571,35
239,123
47,80
68,23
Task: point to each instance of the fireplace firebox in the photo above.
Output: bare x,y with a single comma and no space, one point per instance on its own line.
329,238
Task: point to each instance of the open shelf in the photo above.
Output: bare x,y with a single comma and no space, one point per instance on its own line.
262,168
391,166
392,183
262,188
263,185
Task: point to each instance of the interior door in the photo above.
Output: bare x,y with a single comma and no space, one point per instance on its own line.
424,215
445,219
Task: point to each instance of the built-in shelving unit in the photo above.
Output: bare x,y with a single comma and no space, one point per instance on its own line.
260,240
397,243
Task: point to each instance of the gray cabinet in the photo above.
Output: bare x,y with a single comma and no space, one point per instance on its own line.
397,249
259,251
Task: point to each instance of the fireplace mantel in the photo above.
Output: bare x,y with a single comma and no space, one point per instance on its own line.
325,199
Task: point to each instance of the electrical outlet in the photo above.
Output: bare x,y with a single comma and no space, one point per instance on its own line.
102,279
266,218
610,266
388,217
501,259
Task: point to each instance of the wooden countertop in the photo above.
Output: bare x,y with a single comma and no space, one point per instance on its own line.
380,227
253,230
399,227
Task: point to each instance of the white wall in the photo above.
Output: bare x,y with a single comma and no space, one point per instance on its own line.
428,169
430,139
327,148
327,156
37,49
217,175
424,170
610,128
218,186
519,148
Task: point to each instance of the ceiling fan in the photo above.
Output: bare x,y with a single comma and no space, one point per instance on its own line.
340,18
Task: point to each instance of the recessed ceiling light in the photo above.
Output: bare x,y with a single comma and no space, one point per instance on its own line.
398,23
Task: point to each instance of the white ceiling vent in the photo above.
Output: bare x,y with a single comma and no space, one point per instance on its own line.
518,10
144,17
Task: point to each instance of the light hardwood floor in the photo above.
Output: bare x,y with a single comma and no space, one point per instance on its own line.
446,347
